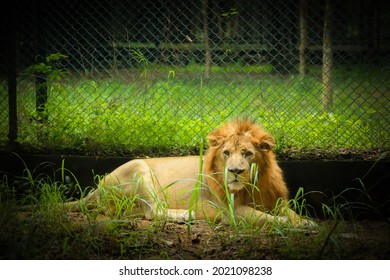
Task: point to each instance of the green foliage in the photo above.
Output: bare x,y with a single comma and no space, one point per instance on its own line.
141,60
169,108
232,12
51,66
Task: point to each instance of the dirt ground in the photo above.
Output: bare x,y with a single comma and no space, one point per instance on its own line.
362,240
75,237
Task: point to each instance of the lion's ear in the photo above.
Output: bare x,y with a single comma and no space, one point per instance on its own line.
215,139
267,143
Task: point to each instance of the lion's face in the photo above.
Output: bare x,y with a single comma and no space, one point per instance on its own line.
237,156
240,154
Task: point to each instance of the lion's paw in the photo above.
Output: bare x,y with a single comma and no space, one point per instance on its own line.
308,223
297,223
179,215
305,224
188,215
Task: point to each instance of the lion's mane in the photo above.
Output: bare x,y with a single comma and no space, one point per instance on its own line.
270,185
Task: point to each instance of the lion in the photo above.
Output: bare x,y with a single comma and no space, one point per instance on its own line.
239,177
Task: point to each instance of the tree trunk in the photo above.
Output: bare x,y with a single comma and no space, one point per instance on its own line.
206,39
303,40
373,30
327,60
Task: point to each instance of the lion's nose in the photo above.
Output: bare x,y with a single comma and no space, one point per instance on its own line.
236,170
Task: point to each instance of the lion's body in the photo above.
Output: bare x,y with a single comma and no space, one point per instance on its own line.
238,165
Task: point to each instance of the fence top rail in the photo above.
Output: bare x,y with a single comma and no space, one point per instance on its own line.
232,46
190,46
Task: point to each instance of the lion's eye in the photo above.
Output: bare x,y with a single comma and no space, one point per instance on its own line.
226,153
248,154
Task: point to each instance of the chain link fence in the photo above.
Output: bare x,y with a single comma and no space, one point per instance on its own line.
124,77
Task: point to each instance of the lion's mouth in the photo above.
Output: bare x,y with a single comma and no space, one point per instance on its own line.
234,180
235,184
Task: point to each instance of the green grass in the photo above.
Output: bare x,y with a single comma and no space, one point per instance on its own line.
170,108
50,231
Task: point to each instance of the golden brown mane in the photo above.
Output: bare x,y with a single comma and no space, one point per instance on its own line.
270,185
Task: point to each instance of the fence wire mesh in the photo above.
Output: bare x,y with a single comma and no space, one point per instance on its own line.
116,77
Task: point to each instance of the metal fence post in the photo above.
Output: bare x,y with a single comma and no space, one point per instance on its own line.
11,48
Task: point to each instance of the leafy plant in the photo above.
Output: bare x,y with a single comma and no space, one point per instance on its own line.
50,66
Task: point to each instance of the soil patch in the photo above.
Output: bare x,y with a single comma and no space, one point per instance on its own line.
74,236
